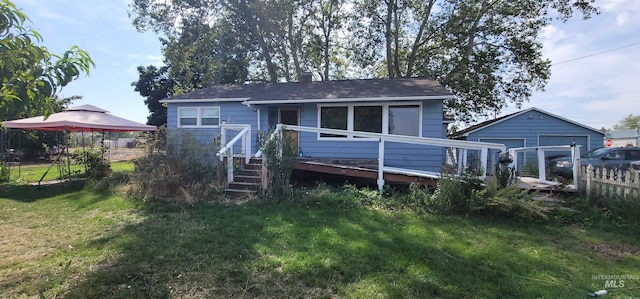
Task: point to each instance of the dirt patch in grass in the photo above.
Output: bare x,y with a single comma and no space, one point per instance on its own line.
616,251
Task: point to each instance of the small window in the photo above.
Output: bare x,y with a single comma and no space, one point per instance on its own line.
188,117
198,116
210,117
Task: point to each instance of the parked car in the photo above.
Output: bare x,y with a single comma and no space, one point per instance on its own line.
609,157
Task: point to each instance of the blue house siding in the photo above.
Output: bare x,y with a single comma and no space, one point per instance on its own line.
534,127
537,129
230,113
396,154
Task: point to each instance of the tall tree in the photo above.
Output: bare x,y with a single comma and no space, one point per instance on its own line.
155,85
31,76
631,122
488,52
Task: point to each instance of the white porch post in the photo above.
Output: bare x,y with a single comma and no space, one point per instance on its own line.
514,157
462,160
247,146
230,165
484,155
542,175
380,164
575,158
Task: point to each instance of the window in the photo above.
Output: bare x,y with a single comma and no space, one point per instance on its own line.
199,117
632,155
333,118
404,120
210,116
380,118
188,117
367,119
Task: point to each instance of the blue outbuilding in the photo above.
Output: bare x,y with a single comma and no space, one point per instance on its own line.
531,128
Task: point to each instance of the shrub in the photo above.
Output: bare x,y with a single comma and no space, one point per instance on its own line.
279,154
470,195
92,158
182,169
455,195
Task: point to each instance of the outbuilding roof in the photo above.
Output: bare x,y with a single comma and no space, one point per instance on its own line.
465,132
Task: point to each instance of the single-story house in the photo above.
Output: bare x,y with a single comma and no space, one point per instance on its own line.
533,127
401,106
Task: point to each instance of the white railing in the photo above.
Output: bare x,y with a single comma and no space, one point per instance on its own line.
227,149
483,147
542,166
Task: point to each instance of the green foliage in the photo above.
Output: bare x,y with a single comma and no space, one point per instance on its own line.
325,246
154,84
456,195
31,76
180,170
630,122
487,52
470,195
620,210
279,154
93,160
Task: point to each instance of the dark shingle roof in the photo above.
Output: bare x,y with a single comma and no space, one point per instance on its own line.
338,89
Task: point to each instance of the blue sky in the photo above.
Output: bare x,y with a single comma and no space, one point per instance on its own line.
597,91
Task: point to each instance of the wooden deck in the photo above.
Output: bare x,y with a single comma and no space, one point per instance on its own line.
365,169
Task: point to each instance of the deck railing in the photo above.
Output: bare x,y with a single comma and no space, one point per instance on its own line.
483,147
227,148
542,165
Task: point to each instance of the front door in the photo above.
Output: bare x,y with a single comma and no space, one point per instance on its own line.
290,116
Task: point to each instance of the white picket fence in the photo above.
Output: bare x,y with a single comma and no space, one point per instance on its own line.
602,182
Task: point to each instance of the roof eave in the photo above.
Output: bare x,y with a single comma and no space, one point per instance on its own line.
212,100
340,100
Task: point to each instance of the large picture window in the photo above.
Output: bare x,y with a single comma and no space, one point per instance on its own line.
376,118
198,116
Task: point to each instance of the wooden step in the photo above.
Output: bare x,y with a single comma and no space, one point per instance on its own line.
253,166
248,172
244,186
239,192
246,178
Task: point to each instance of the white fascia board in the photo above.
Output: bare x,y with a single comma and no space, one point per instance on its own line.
341,100
204,100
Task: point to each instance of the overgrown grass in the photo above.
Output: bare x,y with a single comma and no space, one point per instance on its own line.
324,245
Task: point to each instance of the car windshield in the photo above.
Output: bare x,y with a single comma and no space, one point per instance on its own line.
597,153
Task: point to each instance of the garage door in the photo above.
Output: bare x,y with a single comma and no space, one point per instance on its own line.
583,141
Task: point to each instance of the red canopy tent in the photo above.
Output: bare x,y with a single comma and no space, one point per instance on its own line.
85,118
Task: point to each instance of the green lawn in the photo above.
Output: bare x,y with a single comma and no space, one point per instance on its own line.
33,173
72,242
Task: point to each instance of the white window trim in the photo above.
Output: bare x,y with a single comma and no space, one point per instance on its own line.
350,118
199,117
